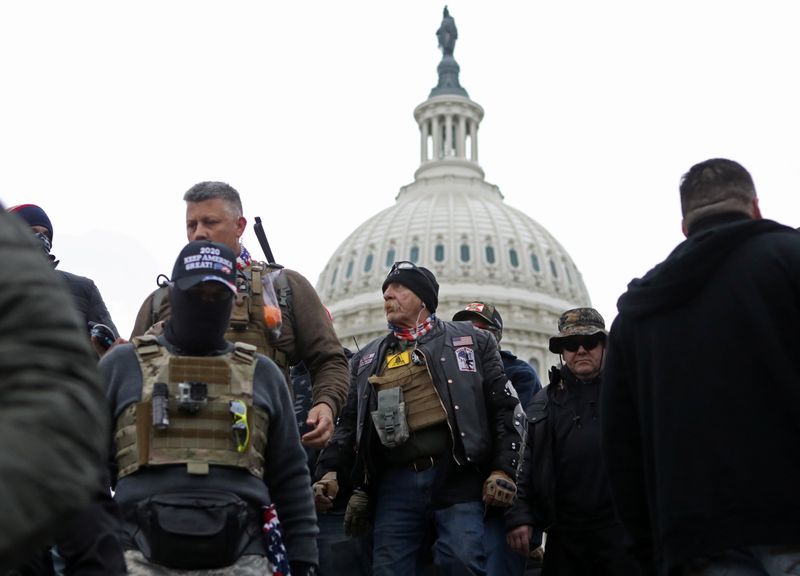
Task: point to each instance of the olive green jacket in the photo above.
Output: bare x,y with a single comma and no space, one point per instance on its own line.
54,424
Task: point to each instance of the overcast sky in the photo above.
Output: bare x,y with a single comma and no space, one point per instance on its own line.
111,110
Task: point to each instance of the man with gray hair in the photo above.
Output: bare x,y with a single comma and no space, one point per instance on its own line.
214,212
701,403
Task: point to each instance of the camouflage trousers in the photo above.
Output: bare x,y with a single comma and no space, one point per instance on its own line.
249,565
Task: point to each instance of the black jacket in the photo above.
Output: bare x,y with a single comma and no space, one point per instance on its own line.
563,443
701,400
87,300
483,413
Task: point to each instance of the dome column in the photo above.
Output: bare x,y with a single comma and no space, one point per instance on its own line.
461,137
473,131
448,135
424,131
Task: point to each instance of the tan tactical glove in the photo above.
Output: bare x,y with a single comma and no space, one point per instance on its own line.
325,490
357,521
499,489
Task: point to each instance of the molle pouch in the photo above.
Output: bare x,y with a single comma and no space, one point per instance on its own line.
192,531
272,311
390,417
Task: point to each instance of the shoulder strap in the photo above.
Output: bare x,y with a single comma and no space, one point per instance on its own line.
158,300
146,345
282,290
244,353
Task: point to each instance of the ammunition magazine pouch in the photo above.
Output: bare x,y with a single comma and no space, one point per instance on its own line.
390,417
193,531
247,317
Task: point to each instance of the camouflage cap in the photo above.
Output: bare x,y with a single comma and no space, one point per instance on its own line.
577,322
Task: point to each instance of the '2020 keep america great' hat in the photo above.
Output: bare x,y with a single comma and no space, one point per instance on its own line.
202,261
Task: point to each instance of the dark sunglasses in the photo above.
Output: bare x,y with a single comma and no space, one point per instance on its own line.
588,343
210,295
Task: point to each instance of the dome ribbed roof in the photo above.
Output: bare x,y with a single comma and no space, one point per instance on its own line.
454,226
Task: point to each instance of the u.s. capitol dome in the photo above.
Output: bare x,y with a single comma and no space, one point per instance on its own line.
450,220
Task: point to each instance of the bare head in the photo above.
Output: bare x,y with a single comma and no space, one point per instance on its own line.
214,212
716,186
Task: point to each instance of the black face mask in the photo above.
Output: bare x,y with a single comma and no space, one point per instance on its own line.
197,327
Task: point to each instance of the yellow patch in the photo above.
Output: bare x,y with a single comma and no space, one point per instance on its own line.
397,360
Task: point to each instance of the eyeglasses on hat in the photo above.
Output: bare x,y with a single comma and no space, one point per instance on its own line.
403,265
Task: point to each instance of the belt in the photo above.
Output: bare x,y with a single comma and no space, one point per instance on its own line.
421,464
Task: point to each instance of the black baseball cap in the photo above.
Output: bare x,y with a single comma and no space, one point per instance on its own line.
204,261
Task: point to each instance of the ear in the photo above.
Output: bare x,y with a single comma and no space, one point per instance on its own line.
241,224
756,209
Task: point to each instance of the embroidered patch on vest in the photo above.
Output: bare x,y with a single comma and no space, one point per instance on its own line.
466,359
462,341
397,360
366,360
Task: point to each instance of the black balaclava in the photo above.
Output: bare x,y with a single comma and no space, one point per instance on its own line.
197,327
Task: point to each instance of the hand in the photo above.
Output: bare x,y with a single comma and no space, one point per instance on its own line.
357,521
325,490
320,420
519,539
499,489
100,347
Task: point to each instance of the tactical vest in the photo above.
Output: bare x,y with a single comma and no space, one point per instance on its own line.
423,406
200,439
247,317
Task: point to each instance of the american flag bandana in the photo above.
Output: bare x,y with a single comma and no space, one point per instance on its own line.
276,551
243,263
411,334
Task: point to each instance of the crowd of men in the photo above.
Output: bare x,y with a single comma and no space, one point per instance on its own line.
660,446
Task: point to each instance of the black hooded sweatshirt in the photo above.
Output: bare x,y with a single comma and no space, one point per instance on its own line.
700,405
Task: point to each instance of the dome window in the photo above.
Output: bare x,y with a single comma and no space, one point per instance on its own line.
465,252
553,269
490,254
535,263
368,263
333,276
390,258
349,272
513,258
414,255
438,253
569,276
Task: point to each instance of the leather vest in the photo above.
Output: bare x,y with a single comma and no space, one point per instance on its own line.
199,439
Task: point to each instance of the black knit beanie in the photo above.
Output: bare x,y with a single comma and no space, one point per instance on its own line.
420,281
34,216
